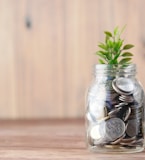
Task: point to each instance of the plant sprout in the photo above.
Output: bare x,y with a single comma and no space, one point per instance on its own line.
112,51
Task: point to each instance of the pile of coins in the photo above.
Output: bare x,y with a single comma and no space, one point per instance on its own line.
116,120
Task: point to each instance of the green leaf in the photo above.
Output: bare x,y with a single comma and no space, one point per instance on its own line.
118,44
128,46
108,56
116,31
102,52
124,60
103,46
101,61
127,54
110,43
108,33
106,38
113,61
116,56
102,55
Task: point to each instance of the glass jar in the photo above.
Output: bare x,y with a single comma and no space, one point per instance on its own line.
115,110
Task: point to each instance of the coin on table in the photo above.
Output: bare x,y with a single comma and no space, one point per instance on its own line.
115,128
132,128
123,85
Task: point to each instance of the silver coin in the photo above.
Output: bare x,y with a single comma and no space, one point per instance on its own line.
115,146
118,140
97,132
127,99
115,128
122,85
128,140
127,114
132,128
114,112
141,140
120,105
125,84
135,116
135,143
136,110
136,107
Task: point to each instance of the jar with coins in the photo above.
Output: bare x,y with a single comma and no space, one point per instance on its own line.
115,110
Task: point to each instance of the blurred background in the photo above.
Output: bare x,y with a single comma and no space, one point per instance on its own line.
47,52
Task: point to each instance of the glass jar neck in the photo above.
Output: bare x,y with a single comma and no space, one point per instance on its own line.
105,70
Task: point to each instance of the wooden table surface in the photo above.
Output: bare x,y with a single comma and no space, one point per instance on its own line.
49,139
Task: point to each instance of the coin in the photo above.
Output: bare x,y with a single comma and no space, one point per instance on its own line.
123,86
123,113
136,110
118,140
103,119
135,116
128,140
114,112
136,106
95,132
127,114
132,128
115,146
115,128
127,99
121,105
141,140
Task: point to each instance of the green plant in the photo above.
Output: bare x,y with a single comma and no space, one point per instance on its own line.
112,51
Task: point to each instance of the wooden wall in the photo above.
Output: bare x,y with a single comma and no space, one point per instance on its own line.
47,52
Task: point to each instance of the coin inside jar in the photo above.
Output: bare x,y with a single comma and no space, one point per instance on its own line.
123,86
97,132
128,99
132,128
115,128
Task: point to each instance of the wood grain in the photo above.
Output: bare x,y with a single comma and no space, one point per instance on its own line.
47,52
49,139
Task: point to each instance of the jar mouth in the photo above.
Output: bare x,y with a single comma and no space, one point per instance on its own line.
118,69
110,66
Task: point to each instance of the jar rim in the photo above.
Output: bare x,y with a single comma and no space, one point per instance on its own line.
112,66
120,69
